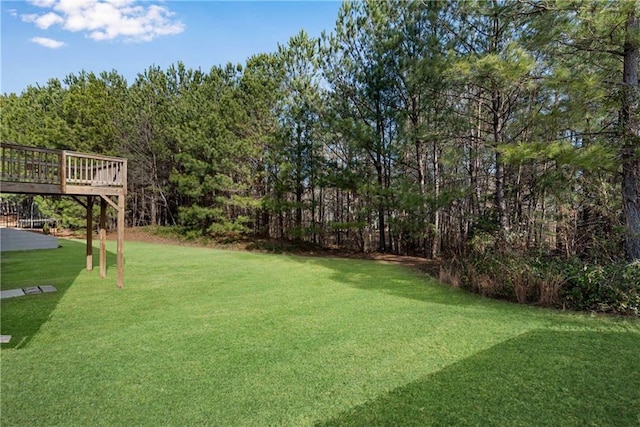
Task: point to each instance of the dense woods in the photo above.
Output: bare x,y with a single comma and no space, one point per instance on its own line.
467,130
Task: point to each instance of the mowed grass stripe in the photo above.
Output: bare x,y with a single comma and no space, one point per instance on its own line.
201,336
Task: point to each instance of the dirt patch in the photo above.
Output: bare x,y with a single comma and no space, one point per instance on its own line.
429,266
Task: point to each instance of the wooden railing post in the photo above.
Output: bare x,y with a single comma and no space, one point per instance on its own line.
63,171
123,177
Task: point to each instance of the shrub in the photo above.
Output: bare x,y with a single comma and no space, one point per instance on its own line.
449,276
528,279
613,288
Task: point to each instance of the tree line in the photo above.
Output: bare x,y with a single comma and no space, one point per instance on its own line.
418,127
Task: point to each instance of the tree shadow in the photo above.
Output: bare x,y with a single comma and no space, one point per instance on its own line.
543,377
22,317
395,280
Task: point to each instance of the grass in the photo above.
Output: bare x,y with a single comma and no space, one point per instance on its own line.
209,337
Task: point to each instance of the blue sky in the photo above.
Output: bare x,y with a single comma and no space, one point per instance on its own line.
42,39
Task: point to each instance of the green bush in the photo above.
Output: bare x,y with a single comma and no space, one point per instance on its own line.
613,288
550,282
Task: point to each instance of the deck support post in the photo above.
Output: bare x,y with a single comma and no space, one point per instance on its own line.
89,233
103,238
120,255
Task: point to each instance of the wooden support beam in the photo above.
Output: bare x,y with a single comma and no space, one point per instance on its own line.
80,202
83,190
120,231
103,238
108,200
30,188
89,233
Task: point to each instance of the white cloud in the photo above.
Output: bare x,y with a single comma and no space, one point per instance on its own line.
42,3
107,19
43,21
46,42
13,12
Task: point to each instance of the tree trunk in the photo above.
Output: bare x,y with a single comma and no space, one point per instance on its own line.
630,130
474,165
435,241
382,246
422,182
501,205
154,209
299,192
299,180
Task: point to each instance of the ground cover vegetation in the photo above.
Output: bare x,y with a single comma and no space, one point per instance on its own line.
210,337
501,136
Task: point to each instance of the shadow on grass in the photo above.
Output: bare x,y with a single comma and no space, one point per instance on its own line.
22,317
368,275
540,378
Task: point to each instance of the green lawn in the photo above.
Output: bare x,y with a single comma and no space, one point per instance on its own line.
208,337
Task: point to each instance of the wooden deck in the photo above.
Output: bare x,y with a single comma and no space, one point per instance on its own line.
31,170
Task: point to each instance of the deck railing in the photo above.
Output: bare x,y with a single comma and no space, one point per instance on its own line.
87,169
31,165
